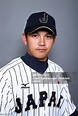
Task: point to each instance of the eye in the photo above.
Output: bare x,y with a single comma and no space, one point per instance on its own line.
49,36
35,35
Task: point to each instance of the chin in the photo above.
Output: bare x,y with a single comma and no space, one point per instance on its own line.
41,58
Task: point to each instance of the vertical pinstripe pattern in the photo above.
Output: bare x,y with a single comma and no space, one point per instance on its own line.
15,82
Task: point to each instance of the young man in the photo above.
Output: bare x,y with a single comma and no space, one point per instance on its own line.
27,87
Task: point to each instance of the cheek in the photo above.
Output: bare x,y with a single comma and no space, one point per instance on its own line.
49,44
31,45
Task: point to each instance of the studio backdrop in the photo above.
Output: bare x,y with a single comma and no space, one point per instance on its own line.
13,15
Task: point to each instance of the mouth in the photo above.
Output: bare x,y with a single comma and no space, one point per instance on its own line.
41,50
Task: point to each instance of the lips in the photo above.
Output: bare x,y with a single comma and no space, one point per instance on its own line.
41,49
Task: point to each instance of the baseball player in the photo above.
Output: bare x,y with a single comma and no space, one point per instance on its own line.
30,85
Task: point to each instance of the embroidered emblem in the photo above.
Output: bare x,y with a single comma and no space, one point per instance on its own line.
44,19
25,85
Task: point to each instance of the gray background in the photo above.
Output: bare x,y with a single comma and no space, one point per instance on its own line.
13,14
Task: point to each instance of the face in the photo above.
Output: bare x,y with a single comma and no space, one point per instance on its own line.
39,44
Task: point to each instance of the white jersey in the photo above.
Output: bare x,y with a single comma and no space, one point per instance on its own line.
20,96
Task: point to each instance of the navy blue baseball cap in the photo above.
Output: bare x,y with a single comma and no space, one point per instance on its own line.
40,20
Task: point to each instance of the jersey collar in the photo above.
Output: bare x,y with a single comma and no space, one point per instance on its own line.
35,64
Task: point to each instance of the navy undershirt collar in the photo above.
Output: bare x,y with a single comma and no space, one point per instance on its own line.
35,64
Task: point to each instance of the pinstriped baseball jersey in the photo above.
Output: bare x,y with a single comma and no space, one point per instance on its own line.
20,96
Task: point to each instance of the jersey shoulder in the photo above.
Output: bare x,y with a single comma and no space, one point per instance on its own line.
11,64
54,66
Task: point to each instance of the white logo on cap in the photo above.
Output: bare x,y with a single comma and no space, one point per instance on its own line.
44,19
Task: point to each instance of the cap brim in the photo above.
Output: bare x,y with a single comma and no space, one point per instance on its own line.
42,27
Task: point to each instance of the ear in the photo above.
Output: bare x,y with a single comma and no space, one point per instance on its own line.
24,39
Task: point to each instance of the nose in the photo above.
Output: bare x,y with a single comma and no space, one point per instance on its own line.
41,41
